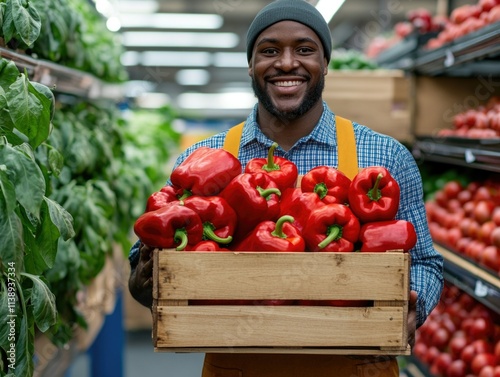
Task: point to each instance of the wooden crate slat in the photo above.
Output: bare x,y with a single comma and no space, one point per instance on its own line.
253,275
279,326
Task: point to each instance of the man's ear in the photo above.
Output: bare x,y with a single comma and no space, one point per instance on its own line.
325,69
250,68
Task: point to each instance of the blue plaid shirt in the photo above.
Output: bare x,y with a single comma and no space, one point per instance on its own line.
374,149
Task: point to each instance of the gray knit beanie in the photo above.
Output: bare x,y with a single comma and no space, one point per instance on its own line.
292,10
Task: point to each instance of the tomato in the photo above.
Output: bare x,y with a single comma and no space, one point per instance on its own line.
452,188
443,362
483,210
484,233
491,257
440,339
458,368
468,353
457,344
481,360
481,328
420,351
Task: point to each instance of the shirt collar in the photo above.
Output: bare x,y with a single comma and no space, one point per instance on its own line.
324,131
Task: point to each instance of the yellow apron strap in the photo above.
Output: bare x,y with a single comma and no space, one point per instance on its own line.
346,147
232,140
347,152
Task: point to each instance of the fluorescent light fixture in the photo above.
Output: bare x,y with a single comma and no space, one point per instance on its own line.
152,100
192,77
328,8
172,21
130,58
135,7
176,58
230,60
180,39
223,101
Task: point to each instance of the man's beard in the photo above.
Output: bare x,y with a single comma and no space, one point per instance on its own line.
311,98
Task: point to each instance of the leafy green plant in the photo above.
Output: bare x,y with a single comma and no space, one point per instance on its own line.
20,23
31,224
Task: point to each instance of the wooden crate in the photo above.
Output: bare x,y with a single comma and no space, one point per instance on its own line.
380,328
378,99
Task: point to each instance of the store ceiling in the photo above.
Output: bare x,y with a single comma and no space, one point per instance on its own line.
356,22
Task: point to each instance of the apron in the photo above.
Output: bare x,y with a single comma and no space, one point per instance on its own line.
302,365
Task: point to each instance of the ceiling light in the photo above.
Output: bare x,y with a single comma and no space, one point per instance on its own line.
227,101
192,77
181,39
135,7
152,100
113,24
172,21
328,8
230,60
175,59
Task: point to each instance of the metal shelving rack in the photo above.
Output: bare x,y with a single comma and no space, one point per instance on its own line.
63,79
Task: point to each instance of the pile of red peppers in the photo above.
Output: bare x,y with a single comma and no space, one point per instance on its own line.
214,204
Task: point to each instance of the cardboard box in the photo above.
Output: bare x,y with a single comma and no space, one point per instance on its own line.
438,99
378,328
378,99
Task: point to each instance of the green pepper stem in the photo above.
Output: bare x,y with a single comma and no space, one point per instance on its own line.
321,190
333,233
278,229
185,194
208,232
270,165
265,193
374,193
180,235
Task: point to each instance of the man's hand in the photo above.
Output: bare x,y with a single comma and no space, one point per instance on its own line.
141,278
412,318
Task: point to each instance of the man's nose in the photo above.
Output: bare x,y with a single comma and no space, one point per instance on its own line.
287,61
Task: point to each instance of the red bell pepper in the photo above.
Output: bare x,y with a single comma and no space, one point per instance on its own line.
254,198
329,183
374,195
273,236
299,204
218,218
170,226
388,235
206,171
166,195
206,245
332,227
283,171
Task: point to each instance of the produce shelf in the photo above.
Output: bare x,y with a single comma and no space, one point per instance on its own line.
476,46
62,79
475,153
476,281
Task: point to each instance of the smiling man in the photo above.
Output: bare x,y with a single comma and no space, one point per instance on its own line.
288,48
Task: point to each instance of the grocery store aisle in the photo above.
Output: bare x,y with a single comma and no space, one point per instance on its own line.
140,360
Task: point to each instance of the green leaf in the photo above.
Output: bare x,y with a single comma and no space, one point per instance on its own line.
26,176
61,218
4,312
27,21
56,161
8,26
25,347
48,108
43,302
7,192
11,229
9,73
30,114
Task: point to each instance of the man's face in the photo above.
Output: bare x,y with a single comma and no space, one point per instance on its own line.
287,68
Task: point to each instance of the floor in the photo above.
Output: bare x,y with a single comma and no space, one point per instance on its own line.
140,360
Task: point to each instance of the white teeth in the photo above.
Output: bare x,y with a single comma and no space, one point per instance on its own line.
287,83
